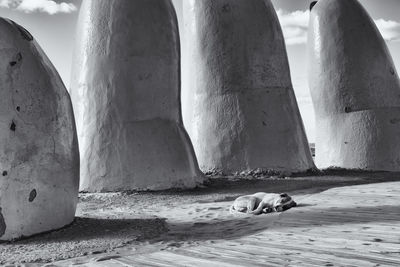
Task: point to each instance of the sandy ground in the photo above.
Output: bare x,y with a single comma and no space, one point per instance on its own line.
112,224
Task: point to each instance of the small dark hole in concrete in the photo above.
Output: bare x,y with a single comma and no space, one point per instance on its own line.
18,58
5,173
13,126
312,4
392,71
347,109
32,195
18,108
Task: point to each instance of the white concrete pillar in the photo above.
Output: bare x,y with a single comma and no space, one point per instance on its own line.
126,93
355,89
39,157
238,102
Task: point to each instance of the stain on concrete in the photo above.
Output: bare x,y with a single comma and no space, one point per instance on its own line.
17,59
394,121
32,195
226,8
2,224
4,173
13,126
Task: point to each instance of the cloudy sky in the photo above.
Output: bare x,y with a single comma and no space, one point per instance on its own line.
53,25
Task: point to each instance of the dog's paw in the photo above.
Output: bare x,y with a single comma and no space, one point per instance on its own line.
268,210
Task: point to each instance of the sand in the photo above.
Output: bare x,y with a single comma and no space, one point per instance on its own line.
115,224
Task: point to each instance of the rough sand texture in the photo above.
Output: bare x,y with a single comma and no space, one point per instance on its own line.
119,224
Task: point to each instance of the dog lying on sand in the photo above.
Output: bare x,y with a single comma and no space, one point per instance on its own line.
259,203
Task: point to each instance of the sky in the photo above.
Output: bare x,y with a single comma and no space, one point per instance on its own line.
53,23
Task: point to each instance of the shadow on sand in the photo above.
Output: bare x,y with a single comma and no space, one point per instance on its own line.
309,218
86,229
327,179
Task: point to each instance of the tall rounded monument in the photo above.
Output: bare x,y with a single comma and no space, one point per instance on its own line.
238,102
39,157
355,89
126,94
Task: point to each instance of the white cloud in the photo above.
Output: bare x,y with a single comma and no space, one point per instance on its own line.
6,3
48,6
389,29
295,27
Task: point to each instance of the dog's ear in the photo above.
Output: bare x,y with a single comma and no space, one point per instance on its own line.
284,195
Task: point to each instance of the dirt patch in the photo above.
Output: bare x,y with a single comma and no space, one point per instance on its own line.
83,237
131,221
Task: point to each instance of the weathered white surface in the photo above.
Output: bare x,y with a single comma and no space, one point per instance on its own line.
125,91
355,89
39,157
238,103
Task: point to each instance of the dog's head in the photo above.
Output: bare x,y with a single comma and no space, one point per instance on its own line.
284,202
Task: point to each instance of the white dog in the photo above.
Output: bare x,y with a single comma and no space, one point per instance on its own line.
262,203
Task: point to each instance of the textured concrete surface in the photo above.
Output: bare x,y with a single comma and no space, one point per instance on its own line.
126,96
39,157
238,102
355,89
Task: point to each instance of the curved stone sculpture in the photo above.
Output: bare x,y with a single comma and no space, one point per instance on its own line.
238,102
39,157
355,89
126,96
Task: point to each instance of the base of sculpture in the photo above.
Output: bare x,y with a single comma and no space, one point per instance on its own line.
153,150
359,140
233,149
